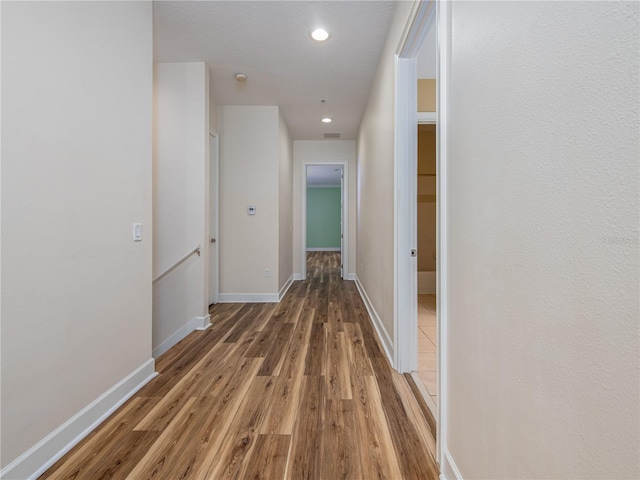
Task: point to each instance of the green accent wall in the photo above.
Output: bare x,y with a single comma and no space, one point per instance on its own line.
323,217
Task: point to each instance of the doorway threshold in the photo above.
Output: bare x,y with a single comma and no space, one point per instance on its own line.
426,403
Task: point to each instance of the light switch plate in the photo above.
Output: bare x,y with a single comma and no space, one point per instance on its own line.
251,210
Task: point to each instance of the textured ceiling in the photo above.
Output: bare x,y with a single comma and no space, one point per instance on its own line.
270,43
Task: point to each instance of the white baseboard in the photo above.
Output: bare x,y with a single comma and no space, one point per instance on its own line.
351,276
323,249
297,276
426,282
448,468
285,288
384,337
35,461
205,322
196,323
249,298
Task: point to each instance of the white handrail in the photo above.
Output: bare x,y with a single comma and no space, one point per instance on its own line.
178,262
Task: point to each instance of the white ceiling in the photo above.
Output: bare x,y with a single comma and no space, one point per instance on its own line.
269,41
323,176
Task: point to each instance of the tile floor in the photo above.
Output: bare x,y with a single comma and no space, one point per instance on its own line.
427,344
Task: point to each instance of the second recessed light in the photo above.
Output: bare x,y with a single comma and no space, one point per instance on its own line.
326,120
320,34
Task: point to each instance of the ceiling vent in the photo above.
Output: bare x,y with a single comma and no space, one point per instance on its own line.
331,135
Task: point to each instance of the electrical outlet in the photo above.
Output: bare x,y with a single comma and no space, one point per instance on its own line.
267,273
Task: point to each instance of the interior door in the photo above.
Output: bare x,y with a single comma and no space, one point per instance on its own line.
213,220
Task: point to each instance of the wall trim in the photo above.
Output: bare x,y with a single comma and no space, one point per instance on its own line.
285,288
35,461
196,323
205,322
449,468
351,276
383,335
249,298
297,276
324,249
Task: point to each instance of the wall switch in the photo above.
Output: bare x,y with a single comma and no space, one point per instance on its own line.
251,210
267,273
137,232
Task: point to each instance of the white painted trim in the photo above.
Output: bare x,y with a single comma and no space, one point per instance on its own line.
405,312
323,186
285,288
448,467
297,276
35,461
344,256
427,283
249,298
196,323
205,322
214,296
427,118
383,335
324,249
443,75
351,276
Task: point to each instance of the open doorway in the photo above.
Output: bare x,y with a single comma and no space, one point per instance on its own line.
324,203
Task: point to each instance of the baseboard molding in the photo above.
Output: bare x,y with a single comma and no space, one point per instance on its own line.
426,283
285,288
448,468
297,276
329,249
205,322
35,461
351,276
383,336
196,323
249,298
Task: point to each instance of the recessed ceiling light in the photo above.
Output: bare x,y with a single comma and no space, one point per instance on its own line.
326,120
320,34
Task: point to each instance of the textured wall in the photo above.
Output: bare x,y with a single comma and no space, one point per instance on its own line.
323,217
76,174
543,272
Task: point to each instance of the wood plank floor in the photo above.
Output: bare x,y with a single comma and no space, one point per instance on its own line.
295,390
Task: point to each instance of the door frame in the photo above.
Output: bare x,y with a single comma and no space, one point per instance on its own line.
344,215
405,194
213,294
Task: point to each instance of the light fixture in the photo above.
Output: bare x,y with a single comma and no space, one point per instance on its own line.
241,77
326,120
319,34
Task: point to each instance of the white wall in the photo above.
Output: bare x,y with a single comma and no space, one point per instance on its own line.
285,237
249,175
180,195
76,174
543,252
318,152
375,267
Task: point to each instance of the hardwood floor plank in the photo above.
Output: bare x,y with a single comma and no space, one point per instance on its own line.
375,445
338,375
242,433
340,457
359,364
305,457
413,455
273,359
315,363
269,458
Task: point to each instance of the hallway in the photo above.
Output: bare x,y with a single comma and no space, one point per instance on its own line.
296,390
